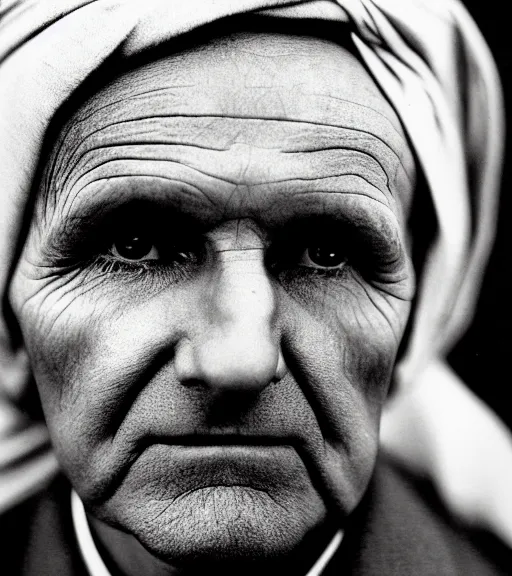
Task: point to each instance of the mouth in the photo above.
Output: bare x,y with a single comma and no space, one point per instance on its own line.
227,439
208,457
225,455
167,469
229,449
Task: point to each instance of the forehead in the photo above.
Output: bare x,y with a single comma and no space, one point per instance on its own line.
269,75
247,110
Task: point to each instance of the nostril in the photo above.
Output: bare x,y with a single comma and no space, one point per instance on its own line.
282,369
193,383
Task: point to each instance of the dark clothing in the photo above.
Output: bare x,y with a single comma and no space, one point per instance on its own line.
401,529
395,531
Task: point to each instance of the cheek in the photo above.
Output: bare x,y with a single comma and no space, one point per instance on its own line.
342,350
350,329
91,353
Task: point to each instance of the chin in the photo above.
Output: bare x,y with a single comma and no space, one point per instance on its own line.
225,524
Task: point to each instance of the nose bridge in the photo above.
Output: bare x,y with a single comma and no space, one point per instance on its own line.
243,297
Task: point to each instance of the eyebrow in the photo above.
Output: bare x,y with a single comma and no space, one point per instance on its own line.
357,211
226,118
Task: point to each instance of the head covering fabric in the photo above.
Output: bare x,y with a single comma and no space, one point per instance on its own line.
427,57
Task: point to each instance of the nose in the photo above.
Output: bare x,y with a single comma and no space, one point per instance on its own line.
238,347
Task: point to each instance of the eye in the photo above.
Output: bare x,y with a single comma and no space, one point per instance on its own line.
135,247
325,254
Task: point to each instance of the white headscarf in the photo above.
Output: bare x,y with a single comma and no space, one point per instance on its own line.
428,58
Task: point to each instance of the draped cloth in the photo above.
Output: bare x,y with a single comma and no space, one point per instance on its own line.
427,57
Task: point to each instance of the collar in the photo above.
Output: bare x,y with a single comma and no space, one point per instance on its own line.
96,567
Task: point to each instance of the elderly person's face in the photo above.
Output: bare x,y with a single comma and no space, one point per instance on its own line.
213,291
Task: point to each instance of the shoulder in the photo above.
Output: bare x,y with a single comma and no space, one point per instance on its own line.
400,528
37,535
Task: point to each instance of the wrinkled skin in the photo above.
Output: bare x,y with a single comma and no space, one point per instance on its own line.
216,391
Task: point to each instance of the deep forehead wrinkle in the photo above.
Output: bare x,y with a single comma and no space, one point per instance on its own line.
147,128
162,100
220,134
298,106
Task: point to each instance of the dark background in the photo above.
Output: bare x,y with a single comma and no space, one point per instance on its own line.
483,355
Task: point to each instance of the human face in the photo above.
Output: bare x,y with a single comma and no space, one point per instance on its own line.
213,291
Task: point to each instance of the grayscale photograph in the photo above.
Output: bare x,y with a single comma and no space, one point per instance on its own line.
255,317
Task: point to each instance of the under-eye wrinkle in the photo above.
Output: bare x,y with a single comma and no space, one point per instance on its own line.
144,270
